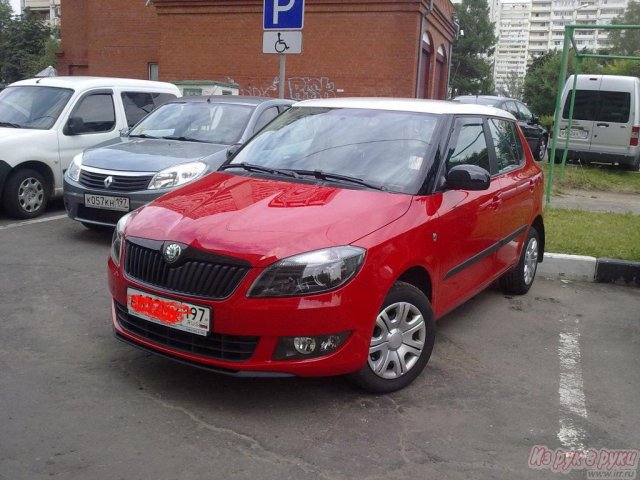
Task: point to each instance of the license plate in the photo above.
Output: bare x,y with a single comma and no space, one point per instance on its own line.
179,315
575,133
106,202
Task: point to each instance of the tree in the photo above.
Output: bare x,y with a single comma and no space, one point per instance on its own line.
471,69
513,86
626,42
541,81
23,44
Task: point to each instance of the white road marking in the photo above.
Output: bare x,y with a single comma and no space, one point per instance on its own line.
571,391
31,222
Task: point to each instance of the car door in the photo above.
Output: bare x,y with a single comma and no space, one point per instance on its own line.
93,120
612,126
516,183
469,220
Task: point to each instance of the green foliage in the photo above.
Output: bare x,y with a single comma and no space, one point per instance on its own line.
546,121
513,86
471,71
626,42
541,82
25,45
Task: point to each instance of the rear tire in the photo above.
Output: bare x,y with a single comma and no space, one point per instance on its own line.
541,149
401,341
519,280
25,194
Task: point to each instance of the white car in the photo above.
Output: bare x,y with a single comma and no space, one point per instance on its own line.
45,122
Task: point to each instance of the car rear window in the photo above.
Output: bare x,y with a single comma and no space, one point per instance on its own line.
602,106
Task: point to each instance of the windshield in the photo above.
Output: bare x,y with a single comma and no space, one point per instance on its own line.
383,148
32,107
221,123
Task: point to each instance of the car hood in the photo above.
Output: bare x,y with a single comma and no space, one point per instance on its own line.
265,220
9,133
148,155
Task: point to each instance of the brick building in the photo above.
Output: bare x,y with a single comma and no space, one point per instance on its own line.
350,48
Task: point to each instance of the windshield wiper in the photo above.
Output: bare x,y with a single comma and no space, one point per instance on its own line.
250,167
184,139
320,175
9,124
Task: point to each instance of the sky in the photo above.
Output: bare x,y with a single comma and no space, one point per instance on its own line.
15,4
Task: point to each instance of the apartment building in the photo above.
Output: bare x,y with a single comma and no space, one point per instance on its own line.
512,30
548,18
47,10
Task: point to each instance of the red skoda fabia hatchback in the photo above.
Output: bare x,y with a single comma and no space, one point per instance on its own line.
331,241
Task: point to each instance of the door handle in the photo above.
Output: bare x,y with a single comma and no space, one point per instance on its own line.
602,124
496,201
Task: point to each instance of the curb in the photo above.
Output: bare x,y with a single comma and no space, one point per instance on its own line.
590,269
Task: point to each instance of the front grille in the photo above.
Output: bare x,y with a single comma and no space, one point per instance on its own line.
233,348
99,215
198,274
121,183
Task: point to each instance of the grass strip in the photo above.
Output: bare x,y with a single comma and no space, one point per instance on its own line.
600,178
598,234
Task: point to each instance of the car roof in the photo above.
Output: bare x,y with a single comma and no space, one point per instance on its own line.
437,107
237,99
92,82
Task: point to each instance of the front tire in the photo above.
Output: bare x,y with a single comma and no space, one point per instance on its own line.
519,280
25,194
401,341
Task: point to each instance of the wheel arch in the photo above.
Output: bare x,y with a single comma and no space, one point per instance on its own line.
43,169
420,278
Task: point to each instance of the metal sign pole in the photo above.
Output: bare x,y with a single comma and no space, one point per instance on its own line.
283,63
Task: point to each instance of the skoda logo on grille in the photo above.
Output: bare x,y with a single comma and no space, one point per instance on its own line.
108,181
172,252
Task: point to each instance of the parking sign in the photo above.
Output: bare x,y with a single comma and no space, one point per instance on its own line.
283,14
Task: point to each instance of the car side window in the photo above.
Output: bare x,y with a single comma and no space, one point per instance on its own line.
136,106
512,109
265,117
525,113
507,145
468,145
96,112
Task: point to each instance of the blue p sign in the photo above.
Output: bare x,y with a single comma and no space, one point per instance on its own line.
283,14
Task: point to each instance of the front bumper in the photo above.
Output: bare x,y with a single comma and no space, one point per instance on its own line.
74,203
351,308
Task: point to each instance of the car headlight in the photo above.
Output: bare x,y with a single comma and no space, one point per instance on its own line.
177,175
74,169
309,273
118,233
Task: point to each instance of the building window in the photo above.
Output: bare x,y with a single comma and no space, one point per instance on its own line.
153,71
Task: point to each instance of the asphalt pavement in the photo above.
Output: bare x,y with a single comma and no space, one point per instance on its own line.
558,367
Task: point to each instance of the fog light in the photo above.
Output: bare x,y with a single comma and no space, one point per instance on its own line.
290,348
304,345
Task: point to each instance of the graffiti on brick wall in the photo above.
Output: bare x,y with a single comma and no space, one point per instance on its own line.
299,88
268,91
305,88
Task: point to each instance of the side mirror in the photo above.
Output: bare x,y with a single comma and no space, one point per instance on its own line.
468,177
233,149
74,126
534,120
124,133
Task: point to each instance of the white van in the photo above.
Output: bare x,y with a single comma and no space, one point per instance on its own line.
606,120
45,122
